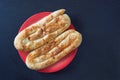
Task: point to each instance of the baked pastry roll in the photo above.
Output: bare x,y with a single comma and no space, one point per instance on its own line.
54,50
42,31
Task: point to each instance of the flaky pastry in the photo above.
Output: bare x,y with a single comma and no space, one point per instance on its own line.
42,31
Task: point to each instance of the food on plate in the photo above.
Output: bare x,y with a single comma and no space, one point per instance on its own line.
48,40
42,31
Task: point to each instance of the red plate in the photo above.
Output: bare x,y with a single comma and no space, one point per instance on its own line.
57,66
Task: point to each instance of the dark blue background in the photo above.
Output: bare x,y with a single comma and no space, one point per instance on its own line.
98,57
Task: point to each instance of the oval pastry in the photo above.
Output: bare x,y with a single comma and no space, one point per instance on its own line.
54,50
42,31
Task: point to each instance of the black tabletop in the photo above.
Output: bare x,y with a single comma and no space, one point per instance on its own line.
98,57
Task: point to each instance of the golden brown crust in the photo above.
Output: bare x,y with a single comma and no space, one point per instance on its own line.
42,31
54,50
